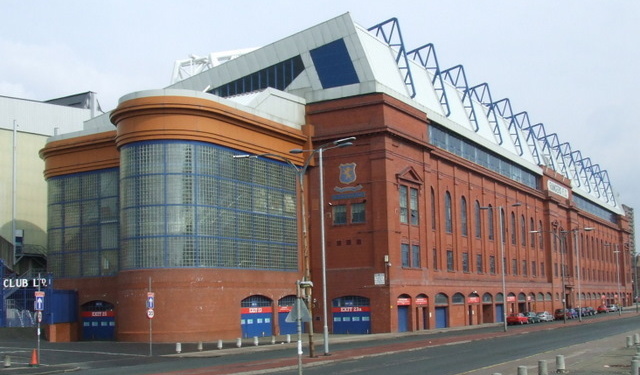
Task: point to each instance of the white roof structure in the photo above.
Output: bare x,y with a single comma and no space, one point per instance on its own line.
339,58
42,118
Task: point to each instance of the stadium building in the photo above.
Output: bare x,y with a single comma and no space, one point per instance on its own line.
445,207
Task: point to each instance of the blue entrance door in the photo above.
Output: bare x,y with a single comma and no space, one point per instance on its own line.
98,325
500,313
441,317
403,318
256,322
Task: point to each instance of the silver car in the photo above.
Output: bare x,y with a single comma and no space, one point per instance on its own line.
545,316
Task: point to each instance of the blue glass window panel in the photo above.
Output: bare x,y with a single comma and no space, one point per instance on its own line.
334,65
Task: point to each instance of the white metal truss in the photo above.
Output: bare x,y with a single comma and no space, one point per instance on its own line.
545,149
183,69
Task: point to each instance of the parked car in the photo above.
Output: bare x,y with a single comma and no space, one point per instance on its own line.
533,317
602,309
517,319
588,311
612,308
560,313
545,316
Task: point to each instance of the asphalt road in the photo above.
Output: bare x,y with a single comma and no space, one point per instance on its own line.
465,356
448,352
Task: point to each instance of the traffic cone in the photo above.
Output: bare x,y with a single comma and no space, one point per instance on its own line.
34,359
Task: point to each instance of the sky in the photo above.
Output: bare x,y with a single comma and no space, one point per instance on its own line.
571,64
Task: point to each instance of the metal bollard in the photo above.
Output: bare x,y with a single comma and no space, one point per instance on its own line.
255,341
219,344
7,361
273,340
635,366
199,346
178,347
629,342
542,367
288,338
239,342
522,370
636,339
560,369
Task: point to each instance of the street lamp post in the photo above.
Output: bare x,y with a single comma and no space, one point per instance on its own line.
344,142
562,241
617,253
577,248
635,279
300,172
562,238
503,261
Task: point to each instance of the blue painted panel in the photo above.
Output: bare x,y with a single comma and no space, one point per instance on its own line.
334,65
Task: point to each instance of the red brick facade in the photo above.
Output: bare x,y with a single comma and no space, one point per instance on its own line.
393,149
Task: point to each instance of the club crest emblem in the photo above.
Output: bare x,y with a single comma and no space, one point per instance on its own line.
348,173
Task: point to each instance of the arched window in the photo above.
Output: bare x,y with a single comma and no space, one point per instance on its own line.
442,299
464,226
457,298
490,219
477,222
503,225
448,216
487,298
523,231
433,209
540,241
532,228
513,228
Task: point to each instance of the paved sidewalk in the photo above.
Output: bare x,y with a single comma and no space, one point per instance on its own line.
607,356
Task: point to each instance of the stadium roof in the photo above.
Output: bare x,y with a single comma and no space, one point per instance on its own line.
338,59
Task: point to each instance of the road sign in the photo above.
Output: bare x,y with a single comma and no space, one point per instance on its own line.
39,316
150,313
150,300
38,304
292,317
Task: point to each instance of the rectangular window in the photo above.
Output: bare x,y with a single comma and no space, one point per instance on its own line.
357,213
415,256
404,214
524,268
479,267
542,273
465,262
514,266
435,259
339,214
492,264
405,254
449,260
534,271
413,206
